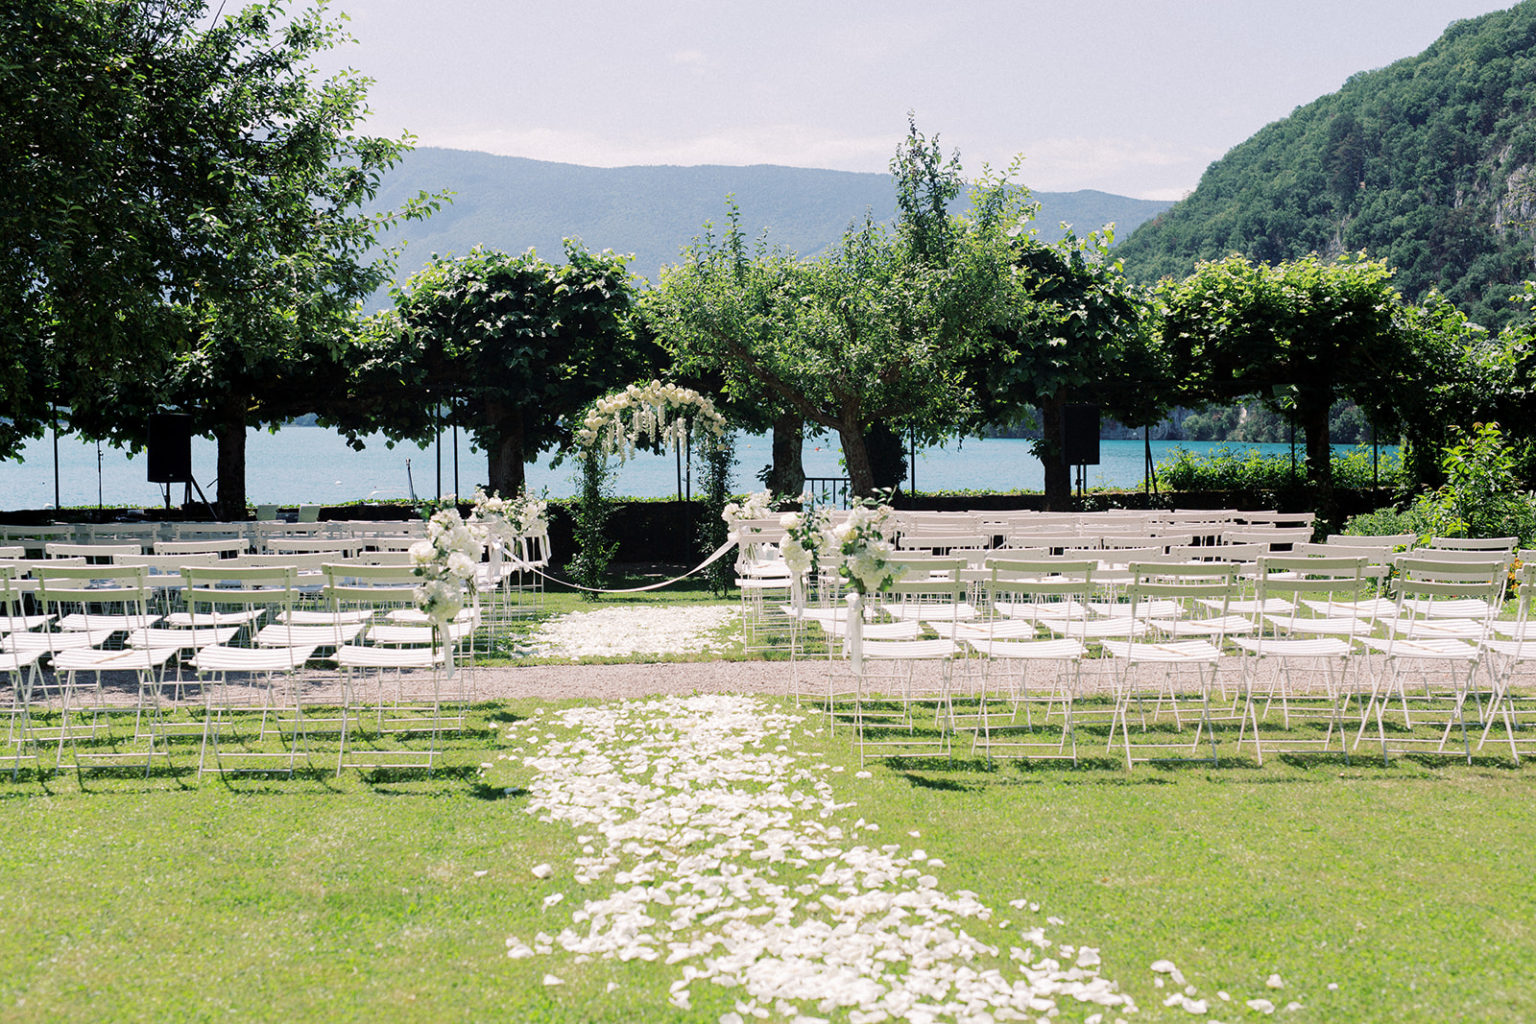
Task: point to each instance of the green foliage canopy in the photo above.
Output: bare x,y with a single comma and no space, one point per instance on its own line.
870,334
1302,333
509,347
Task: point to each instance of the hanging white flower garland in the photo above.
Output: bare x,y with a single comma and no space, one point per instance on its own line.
646,414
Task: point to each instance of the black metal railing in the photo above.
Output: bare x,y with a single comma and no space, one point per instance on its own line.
834,491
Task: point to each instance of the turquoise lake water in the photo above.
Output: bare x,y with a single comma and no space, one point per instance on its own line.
312,464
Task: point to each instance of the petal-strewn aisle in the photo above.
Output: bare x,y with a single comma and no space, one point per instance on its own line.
731,863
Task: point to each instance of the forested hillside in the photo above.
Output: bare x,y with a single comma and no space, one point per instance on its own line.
510,203
1427,163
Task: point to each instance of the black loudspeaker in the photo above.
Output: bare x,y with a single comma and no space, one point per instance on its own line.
170,448
1080,435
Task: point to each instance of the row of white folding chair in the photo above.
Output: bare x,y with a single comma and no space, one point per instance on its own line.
1510,650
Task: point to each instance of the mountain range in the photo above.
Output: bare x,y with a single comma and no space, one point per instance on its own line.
513,204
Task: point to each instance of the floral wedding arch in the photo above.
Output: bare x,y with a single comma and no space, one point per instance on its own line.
641,415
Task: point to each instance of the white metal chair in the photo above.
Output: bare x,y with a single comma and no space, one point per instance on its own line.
1010,645
888,687
1442,616
1199,591
247,595
398,714
1300,645
1510,647
103,602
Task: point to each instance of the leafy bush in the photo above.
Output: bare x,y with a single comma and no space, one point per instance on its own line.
1481,496
1227,468
1385,521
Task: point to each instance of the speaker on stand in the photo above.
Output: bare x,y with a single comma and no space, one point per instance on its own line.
1080,439
170,454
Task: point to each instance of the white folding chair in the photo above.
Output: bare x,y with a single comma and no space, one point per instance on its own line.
247,596
1510,647
103,602
1198,592
402,713
1311,655
1010,645
889,688
1441,621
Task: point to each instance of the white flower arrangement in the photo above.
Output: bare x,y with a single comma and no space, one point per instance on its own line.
862,539
647,413
757,506
444,561
496,518
807,540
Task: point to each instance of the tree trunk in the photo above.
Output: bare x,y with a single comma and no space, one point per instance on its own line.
505,457
1314,423
861,477
787,474
230,435
1058,475
1314,420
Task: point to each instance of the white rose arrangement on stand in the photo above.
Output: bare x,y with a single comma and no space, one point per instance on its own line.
861,548
444,562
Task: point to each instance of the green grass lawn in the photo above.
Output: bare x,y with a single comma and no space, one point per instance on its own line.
390,896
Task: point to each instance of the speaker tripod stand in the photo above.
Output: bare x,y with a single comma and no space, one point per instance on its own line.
186,498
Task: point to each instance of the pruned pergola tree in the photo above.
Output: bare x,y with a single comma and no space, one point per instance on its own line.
506,347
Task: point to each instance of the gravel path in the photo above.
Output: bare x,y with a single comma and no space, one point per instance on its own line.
610,682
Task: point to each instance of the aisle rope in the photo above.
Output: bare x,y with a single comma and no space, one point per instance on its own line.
712,559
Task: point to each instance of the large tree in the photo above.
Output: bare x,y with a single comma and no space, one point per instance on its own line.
1073,331
1300,335
103,216
236,304
508,347
870,335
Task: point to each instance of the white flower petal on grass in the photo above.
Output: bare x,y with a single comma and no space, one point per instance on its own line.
542,871
1274,981
1261,1006
689,808
550,979
622,631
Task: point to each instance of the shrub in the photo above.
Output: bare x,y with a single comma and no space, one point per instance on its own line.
1227,468
1481,496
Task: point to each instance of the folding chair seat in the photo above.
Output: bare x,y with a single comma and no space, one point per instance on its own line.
1431,635
1010,646
1201,591
403,714
920,605
1311,655
249,597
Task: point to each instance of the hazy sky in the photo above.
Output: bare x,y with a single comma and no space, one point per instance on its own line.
1129,96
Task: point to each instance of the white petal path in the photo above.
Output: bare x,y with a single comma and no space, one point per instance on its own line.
620,631
692,806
